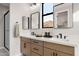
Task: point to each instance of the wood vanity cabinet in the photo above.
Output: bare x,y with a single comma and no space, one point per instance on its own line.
48,52
60,53
25,46
36,47
58,49
32,47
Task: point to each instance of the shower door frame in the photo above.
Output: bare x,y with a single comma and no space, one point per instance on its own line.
4,29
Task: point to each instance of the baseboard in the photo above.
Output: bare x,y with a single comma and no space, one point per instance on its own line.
17,54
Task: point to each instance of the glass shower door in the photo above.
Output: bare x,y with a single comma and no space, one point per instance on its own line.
6,29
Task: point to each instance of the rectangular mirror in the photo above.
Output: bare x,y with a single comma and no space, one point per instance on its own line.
62,19
35,20
63,15
25,22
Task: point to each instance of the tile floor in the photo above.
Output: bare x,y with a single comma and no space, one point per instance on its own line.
4,52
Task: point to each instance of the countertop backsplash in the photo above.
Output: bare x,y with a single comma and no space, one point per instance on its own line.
42,31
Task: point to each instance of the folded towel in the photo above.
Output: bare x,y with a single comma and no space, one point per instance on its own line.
16,30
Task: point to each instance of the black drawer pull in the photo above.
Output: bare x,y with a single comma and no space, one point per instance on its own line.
53,54
24,45
56,54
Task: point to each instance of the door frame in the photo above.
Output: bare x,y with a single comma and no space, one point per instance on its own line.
4,29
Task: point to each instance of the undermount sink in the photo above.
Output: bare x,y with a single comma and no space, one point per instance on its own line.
38,35
48,36
43,36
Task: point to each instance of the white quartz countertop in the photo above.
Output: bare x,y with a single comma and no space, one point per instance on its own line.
53,40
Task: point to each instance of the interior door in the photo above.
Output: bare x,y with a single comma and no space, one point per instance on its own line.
6,29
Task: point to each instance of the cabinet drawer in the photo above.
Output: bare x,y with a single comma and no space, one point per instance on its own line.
37,49
25,48
58,53
59,47
37,42
25,39
47,52
34,54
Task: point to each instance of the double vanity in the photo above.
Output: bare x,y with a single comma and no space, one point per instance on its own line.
41,46
34,44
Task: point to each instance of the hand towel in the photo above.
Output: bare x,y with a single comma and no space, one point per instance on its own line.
16,30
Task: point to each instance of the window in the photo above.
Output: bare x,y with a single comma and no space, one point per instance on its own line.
47,15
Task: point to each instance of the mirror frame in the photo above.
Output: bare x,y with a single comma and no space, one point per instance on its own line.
55,20
32,19
24,24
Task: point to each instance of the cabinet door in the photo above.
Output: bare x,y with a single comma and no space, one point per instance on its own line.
58,53
28,49
25,48
48,52
37,42
37,49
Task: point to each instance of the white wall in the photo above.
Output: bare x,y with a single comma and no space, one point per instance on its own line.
16,13
3,10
